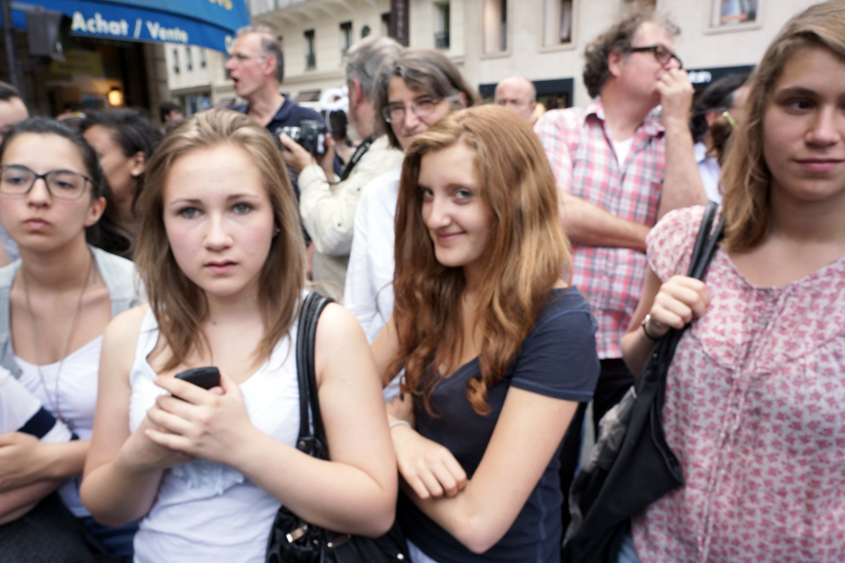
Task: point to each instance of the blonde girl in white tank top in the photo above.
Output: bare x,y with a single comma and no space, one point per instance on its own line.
221,252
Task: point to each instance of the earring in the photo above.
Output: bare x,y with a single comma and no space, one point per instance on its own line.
277,231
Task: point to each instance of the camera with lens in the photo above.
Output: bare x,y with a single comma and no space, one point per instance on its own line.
310,134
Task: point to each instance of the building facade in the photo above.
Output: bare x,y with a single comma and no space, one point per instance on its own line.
196,77
489,40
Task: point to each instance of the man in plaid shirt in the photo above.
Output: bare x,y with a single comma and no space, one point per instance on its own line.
620,167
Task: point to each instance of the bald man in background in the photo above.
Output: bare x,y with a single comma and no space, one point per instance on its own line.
517,94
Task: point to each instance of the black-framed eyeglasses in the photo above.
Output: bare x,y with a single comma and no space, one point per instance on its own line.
16,179
661,53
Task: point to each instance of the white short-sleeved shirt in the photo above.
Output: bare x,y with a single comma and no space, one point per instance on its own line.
18,407
710,172
369,280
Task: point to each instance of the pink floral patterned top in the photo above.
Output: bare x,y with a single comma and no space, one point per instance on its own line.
755,410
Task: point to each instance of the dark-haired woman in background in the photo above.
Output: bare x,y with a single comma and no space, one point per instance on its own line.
55,303
124,141
714,118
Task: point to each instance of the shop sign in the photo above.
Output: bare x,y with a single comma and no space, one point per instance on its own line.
88,63
204,23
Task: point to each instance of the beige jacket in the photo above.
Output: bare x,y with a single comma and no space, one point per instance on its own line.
328,210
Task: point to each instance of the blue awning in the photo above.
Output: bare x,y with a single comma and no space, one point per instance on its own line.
204,23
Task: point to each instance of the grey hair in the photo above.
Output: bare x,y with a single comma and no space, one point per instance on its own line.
270,46
426,71
364,60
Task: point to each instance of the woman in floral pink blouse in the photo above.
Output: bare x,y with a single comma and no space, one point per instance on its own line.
755,399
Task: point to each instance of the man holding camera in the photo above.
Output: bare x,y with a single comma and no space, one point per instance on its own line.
328,201
256,66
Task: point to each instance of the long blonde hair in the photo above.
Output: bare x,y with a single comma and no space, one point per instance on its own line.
527,253
746,176
178,304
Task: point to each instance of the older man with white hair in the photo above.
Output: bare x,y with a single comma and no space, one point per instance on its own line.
327,203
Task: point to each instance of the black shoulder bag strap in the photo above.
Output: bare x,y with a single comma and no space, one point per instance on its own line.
312,443
643,468
291,539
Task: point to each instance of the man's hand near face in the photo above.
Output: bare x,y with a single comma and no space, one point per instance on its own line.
682,185
676,93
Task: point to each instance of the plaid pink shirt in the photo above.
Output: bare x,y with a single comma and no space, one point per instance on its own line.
583,161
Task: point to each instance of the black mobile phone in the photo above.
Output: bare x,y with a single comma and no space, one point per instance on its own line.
205,377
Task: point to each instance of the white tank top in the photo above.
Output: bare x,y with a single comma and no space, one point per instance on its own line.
77,401
207,511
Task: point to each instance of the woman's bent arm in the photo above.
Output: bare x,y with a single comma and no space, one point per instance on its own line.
356,491
529,430
24,460
16,503
122,472
673,304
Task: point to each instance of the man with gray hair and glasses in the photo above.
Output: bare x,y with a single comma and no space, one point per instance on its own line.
327,201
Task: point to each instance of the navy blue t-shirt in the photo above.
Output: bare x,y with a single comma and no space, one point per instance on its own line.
557,359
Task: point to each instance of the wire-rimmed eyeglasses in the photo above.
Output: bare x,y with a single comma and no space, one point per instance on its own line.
422,107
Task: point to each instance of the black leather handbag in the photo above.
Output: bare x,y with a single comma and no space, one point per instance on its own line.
292,540
631,465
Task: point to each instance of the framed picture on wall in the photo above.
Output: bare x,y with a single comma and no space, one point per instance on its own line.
727,13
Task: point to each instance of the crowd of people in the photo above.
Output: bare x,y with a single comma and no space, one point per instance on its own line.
493,275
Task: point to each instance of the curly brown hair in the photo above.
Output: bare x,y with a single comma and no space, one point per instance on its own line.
619,38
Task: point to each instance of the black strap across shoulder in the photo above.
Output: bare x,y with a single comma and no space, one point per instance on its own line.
629,476
356,156
312,443
293,540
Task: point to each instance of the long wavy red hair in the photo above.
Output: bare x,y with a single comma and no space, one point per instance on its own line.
526,255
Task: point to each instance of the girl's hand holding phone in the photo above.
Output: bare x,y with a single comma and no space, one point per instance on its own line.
141,453
207,424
